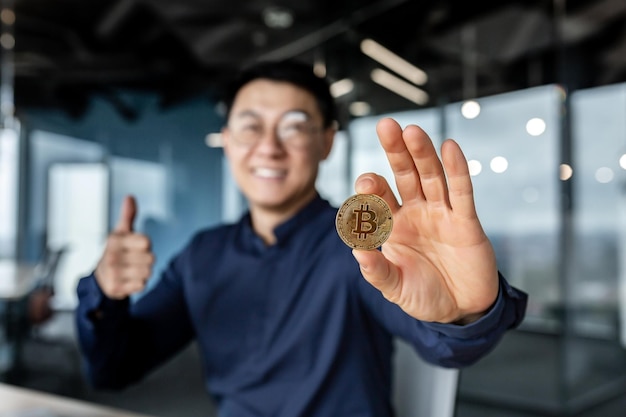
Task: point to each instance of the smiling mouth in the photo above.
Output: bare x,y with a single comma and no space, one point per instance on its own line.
269,173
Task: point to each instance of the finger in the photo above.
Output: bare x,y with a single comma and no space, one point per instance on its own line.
425,159
132,287
135,272
129,242
404,171
136,259
124,289
460,183
128,212
113,282
370,183
379,272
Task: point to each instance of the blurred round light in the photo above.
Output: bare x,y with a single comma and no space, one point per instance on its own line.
470,109
475,167
277,17
604,175
499,164
214,140
341,87
622,161
360,108
530,194
7,16
535,126
7,41
565,172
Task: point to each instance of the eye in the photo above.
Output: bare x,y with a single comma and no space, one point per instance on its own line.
294,128
250,127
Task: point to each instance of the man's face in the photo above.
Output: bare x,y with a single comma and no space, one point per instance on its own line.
274,142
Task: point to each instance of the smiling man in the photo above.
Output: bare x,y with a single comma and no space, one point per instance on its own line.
289,320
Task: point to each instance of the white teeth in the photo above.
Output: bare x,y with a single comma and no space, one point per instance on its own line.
269,173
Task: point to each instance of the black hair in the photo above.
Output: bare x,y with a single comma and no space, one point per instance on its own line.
293,72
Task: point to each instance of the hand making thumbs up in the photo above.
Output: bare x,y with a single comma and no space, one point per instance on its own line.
126,263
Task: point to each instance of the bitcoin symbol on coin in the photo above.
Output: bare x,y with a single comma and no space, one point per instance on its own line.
364,221
365,217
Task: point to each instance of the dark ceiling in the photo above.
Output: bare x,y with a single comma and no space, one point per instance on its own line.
66,51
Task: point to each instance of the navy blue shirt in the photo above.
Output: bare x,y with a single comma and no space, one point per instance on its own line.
286,330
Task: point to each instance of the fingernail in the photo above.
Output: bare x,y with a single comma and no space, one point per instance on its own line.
365,184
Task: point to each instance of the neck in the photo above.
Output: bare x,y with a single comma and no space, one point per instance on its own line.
266,219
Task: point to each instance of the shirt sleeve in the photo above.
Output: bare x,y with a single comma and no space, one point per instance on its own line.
122,340
452,345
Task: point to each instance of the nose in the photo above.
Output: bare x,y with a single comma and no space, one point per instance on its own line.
270,142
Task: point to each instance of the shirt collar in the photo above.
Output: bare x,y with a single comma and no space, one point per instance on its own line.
285,230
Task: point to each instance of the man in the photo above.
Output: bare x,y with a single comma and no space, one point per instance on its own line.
289,320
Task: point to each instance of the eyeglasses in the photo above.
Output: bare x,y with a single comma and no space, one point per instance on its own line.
295,129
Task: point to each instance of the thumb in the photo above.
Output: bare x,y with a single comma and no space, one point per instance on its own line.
128,212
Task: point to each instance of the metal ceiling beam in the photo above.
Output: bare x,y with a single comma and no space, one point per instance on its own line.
326,33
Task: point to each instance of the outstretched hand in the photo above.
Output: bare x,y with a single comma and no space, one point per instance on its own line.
437,265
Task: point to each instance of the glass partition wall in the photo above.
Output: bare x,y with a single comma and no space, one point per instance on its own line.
559,229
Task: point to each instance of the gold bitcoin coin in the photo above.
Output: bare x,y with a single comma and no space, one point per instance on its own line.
364,221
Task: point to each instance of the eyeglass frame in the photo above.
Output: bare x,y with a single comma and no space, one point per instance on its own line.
305,118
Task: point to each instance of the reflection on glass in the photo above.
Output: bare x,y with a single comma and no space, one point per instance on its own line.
475,167
9,151
470,109
517,198
599,137
565,172
499,164
535,126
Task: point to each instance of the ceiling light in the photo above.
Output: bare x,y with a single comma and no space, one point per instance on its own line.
399,86
470,109
359,108
341,87
622,161
565,172
604,175
535,126
214,140
475,167
7,16
319,68
277,17
394,62
7,41
499,164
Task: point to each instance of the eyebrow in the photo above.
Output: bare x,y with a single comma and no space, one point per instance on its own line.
252,113
247,113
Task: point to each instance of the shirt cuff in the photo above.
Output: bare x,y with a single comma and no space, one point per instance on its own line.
96,304
490,321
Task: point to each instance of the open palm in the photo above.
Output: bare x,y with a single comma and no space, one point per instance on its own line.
438,264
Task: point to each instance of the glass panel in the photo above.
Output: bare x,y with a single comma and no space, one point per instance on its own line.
367,153
46,149
9,171
513,149
77,222
595,358
332,181
599,136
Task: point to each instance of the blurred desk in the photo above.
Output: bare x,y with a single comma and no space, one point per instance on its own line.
16,280
21,402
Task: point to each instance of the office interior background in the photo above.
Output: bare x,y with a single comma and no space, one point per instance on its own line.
101,99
